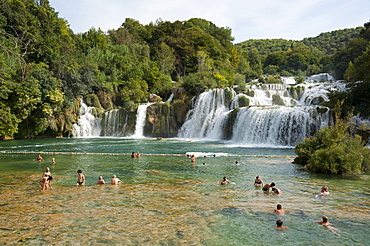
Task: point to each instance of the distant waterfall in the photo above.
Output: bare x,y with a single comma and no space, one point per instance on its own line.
261,123
87,125
113,123
284,126
140,120
206,118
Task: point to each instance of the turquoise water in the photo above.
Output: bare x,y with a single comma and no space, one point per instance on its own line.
167,200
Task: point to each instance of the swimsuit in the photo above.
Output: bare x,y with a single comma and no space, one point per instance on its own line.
80,183
257,182
264,189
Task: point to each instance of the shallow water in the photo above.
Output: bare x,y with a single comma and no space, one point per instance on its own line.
167,200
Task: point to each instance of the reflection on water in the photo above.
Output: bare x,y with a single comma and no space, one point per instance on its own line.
167,200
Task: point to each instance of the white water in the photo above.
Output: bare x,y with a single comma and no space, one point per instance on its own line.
277,125
140,120
261,123
88,125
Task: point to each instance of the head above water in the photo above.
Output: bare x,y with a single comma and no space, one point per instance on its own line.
325,219
79,171
114,176
279,223
279,206
272,184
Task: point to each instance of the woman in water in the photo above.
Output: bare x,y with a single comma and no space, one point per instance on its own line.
258,182
45,181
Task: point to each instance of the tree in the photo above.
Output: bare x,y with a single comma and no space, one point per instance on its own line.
334,149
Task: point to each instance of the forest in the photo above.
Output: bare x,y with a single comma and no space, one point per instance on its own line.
45,67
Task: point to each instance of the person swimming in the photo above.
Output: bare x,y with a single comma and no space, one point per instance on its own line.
279,225
279,209
276,191
223,181
324,192
325,222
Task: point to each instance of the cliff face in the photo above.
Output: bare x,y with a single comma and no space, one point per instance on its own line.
165,119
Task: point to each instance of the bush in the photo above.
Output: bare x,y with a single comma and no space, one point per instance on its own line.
243,101
334,150
277,100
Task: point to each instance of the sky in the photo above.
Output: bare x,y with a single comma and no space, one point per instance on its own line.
248,19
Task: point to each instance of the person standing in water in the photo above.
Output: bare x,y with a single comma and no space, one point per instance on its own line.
101,180
115,180
258,182
81,178
39,158
45,181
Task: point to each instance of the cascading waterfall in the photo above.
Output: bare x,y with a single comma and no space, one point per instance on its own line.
261,123
283,126
206,118
112,123
88,125
213,117
140,120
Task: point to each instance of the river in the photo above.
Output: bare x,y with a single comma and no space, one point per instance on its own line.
165,199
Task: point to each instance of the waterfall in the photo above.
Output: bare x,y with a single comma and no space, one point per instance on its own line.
206,117
316,94
262,123
283,126
140,120
88,125
112,124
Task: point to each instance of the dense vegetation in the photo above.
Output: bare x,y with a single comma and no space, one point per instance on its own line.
334,149
45,67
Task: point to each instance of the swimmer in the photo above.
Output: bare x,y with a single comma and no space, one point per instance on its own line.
101,180
137,155
53,161
223,181
258,182
279,209
279,225
237,163
193,158
81,178
268,186
325,222
276,191
204,163
115,180
39,158
324,192
133,155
